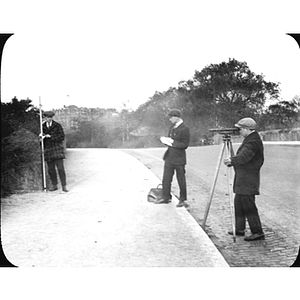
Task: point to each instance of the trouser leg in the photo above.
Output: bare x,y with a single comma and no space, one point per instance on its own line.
61,171
240,219
251,213
52,172
167,180
180,174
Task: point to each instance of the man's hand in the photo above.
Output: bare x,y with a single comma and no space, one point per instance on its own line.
44,136
227,162
167,141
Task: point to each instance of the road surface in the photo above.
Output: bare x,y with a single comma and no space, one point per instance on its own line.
104,220
278,204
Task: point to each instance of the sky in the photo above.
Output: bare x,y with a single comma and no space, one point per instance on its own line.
116,54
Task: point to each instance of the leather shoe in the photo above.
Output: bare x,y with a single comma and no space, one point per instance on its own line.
238,232
53,188
64,188
163,201
180,204
255,236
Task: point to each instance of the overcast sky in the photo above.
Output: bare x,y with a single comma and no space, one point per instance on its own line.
105,53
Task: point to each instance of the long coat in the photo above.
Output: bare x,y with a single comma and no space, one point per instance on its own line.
176,154
247,163
54,147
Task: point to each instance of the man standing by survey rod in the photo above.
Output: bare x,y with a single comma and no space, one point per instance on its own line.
54,152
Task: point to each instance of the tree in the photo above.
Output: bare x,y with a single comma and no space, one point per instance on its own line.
228,91
20,147
283,114
16,114
153,113
124,117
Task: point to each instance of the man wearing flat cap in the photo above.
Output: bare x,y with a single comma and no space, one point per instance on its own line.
53,136
247,162
175,157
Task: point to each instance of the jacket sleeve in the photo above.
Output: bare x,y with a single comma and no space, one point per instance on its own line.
58,134
244,155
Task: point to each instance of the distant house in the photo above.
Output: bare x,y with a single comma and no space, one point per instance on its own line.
70,115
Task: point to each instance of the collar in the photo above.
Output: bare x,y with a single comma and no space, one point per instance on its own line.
178,123
251,132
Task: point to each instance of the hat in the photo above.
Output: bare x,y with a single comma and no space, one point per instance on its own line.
246,123
174,113
48,113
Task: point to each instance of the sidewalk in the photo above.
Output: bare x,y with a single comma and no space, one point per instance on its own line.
104,220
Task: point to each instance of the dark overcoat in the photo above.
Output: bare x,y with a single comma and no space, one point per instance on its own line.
54,147
247,163
176,153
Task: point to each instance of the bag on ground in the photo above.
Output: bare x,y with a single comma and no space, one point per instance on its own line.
155,193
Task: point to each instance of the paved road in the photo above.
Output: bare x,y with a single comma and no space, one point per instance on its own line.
278,203
104,221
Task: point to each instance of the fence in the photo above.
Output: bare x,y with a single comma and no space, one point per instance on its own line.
276,135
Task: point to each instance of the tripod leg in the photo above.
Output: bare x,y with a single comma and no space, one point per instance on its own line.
213,186
230,192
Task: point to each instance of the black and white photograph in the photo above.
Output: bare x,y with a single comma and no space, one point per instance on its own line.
151,141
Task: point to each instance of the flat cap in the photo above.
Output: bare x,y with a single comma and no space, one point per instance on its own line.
174,113
48,113
246,123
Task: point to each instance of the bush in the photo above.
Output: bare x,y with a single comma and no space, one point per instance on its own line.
20,147
20,162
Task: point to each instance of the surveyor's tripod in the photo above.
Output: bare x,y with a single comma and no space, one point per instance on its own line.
227,146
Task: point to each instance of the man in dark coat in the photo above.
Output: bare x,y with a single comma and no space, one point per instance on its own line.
175,157
53,136
247,163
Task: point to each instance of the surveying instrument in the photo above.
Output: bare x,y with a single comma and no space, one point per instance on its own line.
228,151
42,147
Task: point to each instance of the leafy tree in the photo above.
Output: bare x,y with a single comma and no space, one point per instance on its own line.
283,114
153,113
198,110
227,91
83,133
125,122
19,146
101,132
17,114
